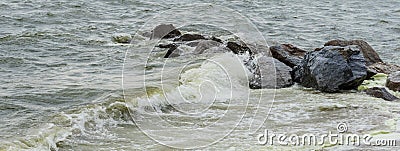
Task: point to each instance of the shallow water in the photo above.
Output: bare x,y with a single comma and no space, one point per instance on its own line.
62,88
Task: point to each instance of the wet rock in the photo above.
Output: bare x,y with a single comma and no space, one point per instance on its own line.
123,38
204,45
171,51
215,39
219,49
118,111
264,78
288,54
331,69
176,53
260,49
193,43
368,52
146,34
393,81
238,48
170,45
189,37
381,93
382,67
164,31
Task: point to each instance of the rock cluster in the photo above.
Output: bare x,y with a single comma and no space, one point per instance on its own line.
339,65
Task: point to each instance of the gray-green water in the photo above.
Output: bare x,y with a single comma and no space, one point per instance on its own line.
61,84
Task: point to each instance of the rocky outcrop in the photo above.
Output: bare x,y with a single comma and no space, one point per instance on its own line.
368,52
337,66
381,93
271,74
331,69
288,54
164,31
190,37
393,81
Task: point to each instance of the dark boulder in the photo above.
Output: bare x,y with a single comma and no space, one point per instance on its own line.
393,81
271,73
288,54
164,31
331,69
189,37
381,93
368,52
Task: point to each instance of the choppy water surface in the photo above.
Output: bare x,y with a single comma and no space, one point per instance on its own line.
61,75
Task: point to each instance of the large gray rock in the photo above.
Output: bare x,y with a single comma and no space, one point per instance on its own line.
370,55
381,93
288,54
331,69
164,31
393,81
271,74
